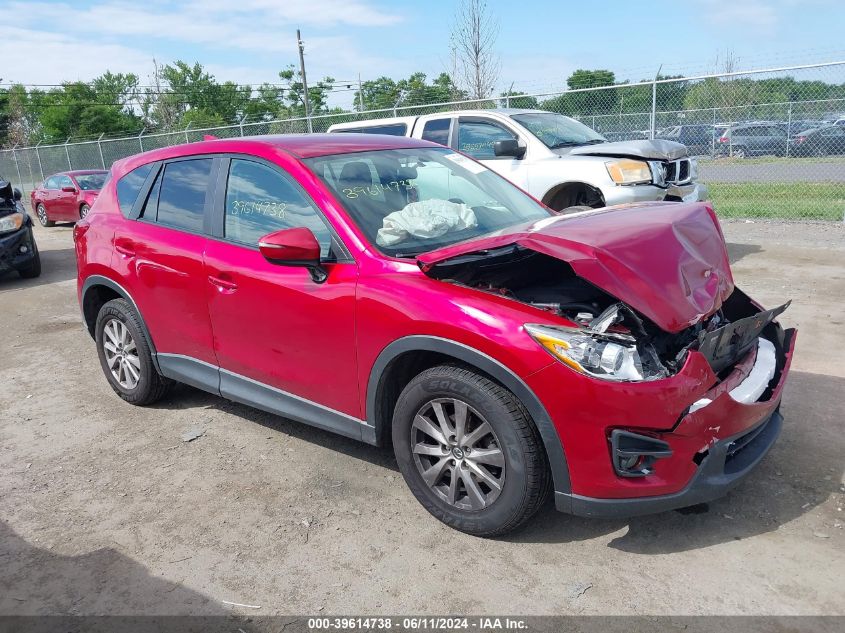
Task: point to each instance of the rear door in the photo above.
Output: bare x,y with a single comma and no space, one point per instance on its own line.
274,325
160,258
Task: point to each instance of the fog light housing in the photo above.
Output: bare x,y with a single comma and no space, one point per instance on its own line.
633,455
24,248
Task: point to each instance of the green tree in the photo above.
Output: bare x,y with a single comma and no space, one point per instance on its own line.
517,100
293,97
384,93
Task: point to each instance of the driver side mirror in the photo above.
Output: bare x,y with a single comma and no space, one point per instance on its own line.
294,247
509,147
16,194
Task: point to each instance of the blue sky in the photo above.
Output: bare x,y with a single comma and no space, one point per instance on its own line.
540,42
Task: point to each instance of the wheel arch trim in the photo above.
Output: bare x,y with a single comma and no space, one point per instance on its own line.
489,365
100,280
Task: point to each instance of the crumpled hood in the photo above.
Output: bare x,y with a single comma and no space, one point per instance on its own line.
666,260
653,150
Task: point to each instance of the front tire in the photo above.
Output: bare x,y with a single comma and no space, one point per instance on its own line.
125,355
41,213
469,451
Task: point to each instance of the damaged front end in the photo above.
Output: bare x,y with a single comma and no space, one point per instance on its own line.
605,337
631,297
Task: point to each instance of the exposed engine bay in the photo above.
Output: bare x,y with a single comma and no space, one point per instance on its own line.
551,285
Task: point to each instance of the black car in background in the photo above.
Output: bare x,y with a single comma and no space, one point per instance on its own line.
697,138
822,141
752,139
18,251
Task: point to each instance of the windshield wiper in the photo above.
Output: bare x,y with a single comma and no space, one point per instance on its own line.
594,141
563,144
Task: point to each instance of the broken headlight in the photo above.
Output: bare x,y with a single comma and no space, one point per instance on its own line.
604,355
624,171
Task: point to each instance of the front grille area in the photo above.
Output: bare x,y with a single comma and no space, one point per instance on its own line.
677,171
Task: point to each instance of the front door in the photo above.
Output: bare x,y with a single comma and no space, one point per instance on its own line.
64,206
476,137
274,325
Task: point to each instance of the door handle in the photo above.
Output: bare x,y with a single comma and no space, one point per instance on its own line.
223,283
125,247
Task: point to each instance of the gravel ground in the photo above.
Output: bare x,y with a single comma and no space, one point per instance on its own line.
105,510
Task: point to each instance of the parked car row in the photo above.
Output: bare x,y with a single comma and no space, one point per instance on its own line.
802,137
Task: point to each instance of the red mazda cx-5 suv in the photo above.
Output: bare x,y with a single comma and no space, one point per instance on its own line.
393,290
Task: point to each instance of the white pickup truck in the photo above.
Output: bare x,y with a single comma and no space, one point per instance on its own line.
558,160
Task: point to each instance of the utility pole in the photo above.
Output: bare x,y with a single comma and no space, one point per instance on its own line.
304,81
360,93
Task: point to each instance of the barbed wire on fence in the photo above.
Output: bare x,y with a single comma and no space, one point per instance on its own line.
705,112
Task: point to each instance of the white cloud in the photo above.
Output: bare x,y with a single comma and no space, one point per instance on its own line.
123,37
31,56
742,15
248,25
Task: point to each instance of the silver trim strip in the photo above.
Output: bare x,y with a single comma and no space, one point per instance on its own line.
287,394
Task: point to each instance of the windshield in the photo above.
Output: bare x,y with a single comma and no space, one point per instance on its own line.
410,201
556,130
91,182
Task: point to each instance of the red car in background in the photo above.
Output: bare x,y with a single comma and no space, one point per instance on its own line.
67,196
398,292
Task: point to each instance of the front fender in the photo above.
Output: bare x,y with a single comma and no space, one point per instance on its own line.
490,366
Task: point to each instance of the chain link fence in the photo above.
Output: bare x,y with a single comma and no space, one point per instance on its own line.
770,143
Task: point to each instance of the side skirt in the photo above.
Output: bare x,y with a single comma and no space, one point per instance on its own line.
261,396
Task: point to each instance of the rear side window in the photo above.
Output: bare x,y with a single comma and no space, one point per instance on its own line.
129,187
392,129
437,131
181,198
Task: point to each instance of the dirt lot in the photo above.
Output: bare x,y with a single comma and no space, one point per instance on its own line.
104,509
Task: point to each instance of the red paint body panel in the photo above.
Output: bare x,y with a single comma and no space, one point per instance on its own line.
666,260
226,305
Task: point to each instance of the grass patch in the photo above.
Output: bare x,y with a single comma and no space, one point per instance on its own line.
790,201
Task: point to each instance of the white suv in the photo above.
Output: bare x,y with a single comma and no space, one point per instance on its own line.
555,158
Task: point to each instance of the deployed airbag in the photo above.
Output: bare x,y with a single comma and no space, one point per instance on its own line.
425,219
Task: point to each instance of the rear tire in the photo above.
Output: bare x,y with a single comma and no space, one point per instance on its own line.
739,152
41,213
476,462
125,355
83,211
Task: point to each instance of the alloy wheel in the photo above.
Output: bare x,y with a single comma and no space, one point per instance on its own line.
121,354
457,454
83,210
41,212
